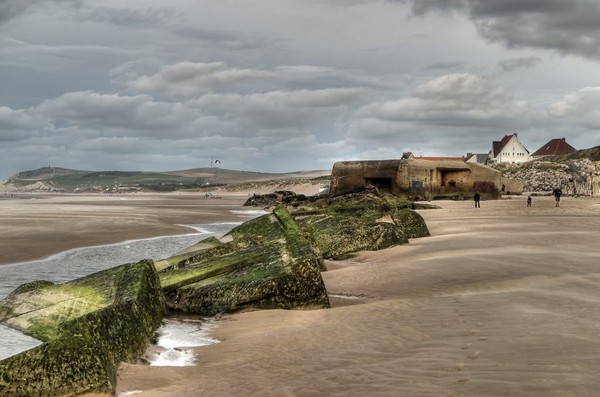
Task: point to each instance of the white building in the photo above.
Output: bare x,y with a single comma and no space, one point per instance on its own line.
509,150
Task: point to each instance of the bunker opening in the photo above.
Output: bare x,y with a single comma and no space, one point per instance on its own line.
380,183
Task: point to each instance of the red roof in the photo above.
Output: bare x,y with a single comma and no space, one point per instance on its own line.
497,146
554,147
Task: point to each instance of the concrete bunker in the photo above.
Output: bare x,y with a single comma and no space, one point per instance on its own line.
380,183
420,178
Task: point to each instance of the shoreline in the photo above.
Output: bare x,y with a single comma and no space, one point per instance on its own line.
501,300
86,247
40,225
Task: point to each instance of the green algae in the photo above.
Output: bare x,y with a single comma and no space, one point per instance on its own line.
267,264
273,261
343,225
112,317
190,252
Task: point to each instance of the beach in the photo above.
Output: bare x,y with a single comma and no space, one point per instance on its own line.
500,301
33,226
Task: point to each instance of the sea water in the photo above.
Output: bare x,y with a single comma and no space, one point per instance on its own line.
79,262
175,338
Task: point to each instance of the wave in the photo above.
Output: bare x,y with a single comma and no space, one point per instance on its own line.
250,213
79,262
177,336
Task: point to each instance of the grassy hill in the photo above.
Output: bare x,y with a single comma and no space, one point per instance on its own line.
593,154
69,180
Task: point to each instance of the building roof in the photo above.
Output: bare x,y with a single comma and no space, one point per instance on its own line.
480,158
497,146
554,147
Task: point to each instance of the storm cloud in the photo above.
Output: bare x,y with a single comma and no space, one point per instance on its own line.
282,86
569,27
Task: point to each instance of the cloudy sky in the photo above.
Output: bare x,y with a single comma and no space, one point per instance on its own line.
286,85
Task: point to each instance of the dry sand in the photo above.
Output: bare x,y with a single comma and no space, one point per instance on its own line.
500,301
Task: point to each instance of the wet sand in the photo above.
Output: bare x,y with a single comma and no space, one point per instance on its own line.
500,301
33,226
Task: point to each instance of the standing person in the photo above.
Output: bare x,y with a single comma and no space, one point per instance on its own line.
529,201
477,197
557,193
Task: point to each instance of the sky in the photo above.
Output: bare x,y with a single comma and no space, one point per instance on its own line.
289,85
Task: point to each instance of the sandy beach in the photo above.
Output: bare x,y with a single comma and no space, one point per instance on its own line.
33,226
499,301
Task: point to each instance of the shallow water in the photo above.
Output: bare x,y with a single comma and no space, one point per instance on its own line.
79,262
14,342
176,335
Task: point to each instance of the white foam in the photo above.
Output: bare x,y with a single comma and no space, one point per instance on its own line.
78,262
129,393
173,358
202,229
177,336
251,213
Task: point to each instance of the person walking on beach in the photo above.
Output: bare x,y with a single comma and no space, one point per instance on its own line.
529,201
477,197
557,193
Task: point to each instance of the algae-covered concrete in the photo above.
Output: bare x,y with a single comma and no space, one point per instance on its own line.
275,261
89,326
268,264
369,220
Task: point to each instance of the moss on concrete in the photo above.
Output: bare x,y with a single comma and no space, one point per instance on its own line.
31,286
411,223
89,326
343,225
267,264
275,261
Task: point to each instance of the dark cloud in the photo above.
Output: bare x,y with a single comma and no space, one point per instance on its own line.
510,65
148,17
444,66
454,99
278,86
231,40
569,27
188,79
490,8
422,7
113,112
10,9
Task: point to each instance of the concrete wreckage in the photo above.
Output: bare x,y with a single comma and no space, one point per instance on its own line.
421,178
90,325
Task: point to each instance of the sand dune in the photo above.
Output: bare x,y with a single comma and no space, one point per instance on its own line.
500,301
